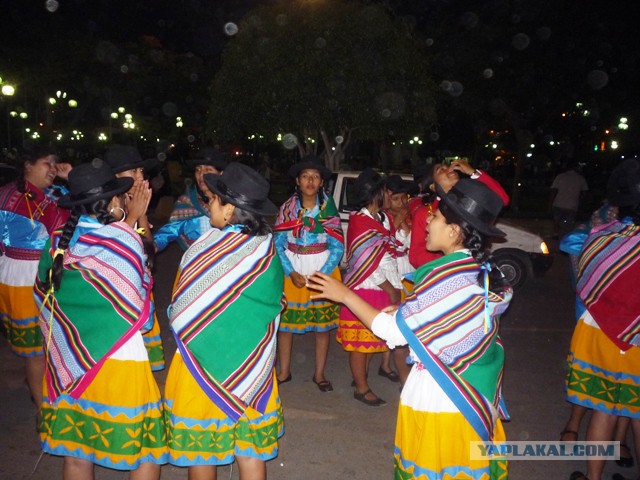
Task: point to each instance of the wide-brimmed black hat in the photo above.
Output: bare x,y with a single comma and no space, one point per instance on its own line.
310,162
242,186
93,181
367,183
208,156
396,184
475,203
125,157
623,187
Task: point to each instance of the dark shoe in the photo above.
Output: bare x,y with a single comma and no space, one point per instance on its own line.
323,386
577,476
393,376
565,433
626,461
288,379
362,397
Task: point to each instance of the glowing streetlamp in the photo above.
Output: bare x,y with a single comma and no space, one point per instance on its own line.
8,91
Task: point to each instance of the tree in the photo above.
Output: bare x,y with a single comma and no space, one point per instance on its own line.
321,73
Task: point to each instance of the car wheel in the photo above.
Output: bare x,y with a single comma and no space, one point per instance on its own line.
514,265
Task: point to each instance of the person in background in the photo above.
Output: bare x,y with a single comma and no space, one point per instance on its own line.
125,161
101,404
445,176
372,273
396,207
605,344
221,389
27,216
567,190
451,323
190,216
308,238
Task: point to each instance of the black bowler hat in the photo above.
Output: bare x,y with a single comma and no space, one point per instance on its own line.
208,156
475,203
93,181
125,157
623,187
366,185
243,187
396,184
309,162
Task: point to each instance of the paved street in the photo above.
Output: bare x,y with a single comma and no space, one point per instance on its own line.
330,435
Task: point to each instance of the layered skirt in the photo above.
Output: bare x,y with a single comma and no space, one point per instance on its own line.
352,333
18,308
200,433
601,376
433,438
302,314
117,422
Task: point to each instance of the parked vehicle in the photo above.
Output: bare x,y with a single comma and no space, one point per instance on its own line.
520,255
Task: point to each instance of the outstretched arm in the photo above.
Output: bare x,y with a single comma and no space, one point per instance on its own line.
332,289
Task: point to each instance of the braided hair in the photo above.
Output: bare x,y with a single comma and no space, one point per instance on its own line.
99,208
254,225
478,244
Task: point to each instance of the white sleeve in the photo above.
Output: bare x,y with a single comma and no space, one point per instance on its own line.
384,326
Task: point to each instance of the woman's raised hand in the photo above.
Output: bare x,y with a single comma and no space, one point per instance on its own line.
327,287
138,198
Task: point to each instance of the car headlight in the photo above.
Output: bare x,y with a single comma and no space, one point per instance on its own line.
544,249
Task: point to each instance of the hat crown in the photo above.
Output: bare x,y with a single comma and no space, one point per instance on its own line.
123,157
475,203
309,162
623,186
244,180
89,176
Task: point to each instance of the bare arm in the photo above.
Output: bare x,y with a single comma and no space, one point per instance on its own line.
332,289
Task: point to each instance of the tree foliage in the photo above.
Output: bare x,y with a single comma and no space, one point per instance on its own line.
322,71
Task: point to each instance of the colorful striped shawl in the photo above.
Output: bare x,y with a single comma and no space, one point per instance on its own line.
608,273
103,300
188,205
443,321
367,242
225,315
326,221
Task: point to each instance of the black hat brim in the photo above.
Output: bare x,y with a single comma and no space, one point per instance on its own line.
111,189
216,185
296,168
475,222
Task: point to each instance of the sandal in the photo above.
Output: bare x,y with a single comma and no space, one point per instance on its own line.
324,385
568,432
625,461
362,397
391,375
285,380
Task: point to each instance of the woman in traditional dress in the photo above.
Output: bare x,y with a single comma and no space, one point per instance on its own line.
372,273
101,403
221,392
125,161
450,323
28,214
604,361
309,239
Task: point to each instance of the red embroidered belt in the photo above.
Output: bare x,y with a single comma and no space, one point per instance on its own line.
307,249
21,253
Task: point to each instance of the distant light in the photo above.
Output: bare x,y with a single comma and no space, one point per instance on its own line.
415,139
13,113
623,126
8,90
73,103
544,248
529,155
533,145
114,115
623,120
23,115
552,142
102,137
614,145
121,109
495,145
519,184
52,100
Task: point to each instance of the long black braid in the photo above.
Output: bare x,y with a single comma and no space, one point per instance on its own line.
478,245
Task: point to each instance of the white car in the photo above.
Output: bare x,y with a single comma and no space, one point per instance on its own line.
520,255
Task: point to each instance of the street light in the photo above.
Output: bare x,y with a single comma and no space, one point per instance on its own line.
8,91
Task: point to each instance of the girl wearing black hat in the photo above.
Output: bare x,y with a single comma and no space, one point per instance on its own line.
450,322
28,214
221,388
101,403
309,238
